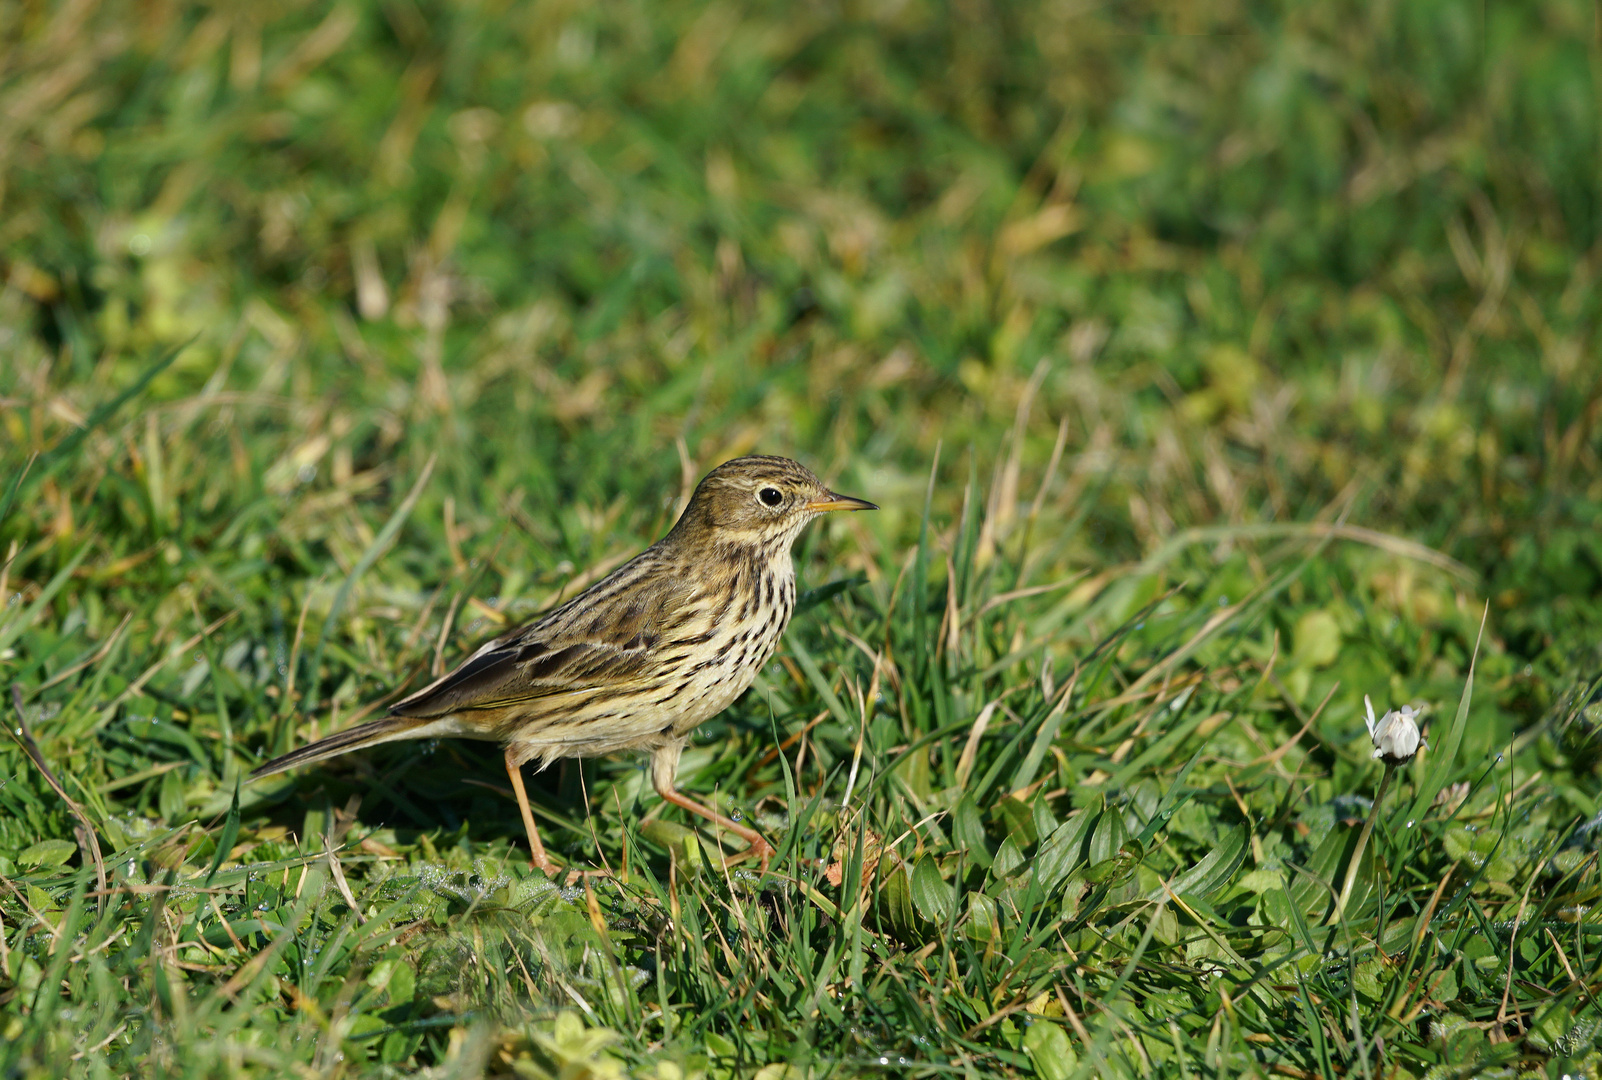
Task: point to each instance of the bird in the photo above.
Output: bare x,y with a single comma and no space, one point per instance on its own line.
638,660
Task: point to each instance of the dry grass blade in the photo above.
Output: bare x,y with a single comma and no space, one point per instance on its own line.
85,828
1395,545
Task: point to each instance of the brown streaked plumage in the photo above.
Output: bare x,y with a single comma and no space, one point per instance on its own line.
637,660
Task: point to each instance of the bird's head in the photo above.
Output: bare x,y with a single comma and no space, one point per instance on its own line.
759,500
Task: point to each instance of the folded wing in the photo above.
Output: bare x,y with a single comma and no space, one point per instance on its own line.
588,644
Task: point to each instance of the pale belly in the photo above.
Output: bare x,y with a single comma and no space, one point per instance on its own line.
725,680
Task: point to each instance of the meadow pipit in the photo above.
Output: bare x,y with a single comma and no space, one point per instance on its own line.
637,660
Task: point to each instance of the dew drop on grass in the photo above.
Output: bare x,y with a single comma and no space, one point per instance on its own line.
1409,824
736,815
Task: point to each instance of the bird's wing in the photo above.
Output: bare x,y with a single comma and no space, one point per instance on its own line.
603,639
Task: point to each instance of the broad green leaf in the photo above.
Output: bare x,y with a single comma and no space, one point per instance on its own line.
969,831
895,902
982,923
1050,1051
1213,870
1063,850
48,853
1317,639
931,894
1108,837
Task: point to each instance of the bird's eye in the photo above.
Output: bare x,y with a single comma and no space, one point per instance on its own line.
771,496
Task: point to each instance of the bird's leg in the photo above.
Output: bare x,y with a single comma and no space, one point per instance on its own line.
664,763
759,847
514,769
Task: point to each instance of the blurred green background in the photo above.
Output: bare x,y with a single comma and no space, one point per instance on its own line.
1268,256
1260,263
1157,292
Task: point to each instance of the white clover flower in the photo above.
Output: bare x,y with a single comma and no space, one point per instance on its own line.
1395,735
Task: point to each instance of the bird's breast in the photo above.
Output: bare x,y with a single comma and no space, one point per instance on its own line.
741,629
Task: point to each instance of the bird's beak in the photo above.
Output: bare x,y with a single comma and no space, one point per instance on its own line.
838,502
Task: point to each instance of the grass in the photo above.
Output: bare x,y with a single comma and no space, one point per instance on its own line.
1215,365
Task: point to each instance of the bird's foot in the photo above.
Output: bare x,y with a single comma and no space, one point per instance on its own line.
759,849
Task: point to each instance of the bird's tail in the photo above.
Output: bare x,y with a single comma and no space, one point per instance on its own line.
368,734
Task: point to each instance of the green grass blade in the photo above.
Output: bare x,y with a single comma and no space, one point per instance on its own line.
380,544
230,834
23,620
1444,756
59,454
